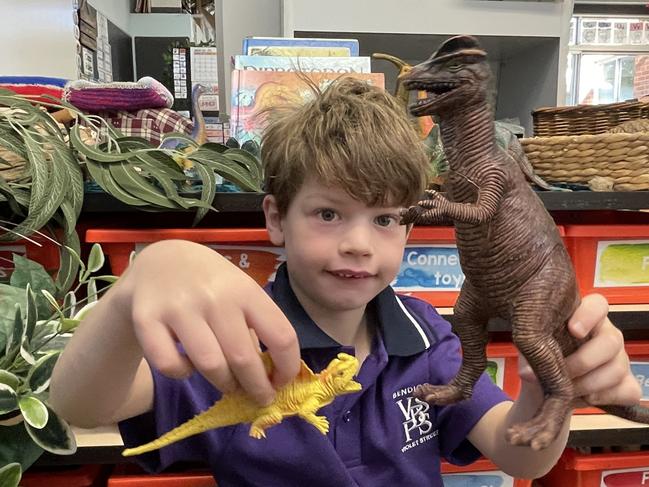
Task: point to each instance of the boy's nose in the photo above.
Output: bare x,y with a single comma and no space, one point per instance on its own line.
357,240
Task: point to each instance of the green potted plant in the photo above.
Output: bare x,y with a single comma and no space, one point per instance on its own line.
34,328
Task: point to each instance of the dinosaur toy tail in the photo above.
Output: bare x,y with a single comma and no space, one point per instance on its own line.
636,413
209,419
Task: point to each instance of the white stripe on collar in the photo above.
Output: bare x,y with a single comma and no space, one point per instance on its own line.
414,322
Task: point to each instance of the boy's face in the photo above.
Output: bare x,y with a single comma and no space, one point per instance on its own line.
340,252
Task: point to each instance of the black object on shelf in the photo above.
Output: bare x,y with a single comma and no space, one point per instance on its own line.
553,200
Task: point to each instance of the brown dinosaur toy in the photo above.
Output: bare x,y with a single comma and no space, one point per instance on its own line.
514,261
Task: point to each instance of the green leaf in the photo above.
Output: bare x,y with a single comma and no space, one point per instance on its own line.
8,399
17,446
10,475
96,258
208,192
69,324
32,312
53,303
27,271
34,412
25,352
56,437
38,377
9,296
137,185
70,262
16,337
81,314
9,379
107,278
92,291
93,152
69,307
102,176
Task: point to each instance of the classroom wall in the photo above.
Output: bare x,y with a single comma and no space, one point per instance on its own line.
39,38
117,11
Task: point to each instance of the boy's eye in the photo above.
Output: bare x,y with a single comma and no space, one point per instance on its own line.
327,214
386,220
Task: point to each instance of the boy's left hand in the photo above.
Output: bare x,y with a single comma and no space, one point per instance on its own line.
600,367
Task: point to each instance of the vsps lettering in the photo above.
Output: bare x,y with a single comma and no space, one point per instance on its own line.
416,417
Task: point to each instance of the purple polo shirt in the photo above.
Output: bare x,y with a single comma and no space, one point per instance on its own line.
379,436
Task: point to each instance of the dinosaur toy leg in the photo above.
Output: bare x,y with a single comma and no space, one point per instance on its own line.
259,425
470,324
540,334
308,413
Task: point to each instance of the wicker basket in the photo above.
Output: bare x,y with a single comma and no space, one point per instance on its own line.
12,166
586,119
621,157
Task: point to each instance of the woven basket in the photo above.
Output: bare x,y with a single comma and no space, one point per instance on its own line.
586,119
12,166
621,157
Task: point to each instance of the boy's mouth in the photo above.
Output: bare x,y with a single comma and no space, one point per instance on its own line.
349,274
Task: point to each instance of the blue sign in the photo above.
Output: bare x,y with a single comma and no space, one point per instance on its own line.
430,268
641,372
472,480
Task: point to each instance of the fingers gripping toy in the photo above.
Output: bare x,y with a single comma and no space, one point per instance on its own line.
302,397
515,264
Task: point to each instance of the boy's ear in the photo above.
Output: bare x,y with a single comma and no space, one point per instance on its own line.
273,220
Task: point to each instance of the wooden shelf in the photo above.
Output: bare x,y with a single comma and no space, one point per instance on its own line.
104,445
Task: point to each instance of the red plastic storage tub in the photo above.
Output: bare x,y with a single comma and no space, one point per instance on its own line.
39,249
612,260
638,352
599,470
77,476
480,473
129,475
249,248
430,268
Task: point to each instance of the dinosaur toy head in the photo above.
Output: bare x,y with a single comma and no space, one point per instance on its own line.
455,74
340,374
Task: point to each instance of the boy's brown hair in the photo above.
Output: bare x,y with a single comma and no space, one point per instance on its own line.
352,136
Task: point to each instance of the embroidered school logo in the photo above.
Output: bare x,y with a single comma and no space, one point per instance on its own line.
417,426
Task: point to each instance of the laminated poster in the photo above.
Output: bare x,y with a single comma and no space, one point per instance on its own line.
429,268
260,263
640,371
478,479
496,371
622,263
630,477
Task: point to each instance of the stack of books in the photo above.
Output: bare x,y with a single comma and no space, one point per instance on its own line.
266,75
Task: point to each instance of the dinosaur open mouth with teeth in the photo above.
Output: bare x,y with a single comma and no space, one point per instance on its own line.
435,90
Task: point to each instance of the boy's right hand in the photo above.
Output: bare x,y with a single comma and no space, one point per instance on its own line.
177,291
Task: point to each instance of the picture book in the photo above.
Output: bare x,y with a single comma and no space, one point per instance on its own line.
328,64
316,47
254,91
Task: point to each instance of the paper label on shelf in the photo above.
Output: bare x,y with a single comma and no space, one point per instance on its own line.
622,263
641,373
629,477
477,479
429,268
260,263
496,370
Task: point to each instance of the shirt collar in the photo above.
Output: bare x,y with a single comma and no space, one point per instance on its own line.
401,331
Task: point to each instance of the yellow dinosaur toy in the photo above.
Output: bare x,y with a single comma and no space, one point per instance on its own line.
303,397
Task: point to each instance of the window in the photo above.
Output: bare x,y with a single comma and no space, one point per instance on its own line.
608,60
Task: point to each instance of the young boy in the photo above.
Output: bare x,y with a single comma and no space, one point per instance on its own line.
182,324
